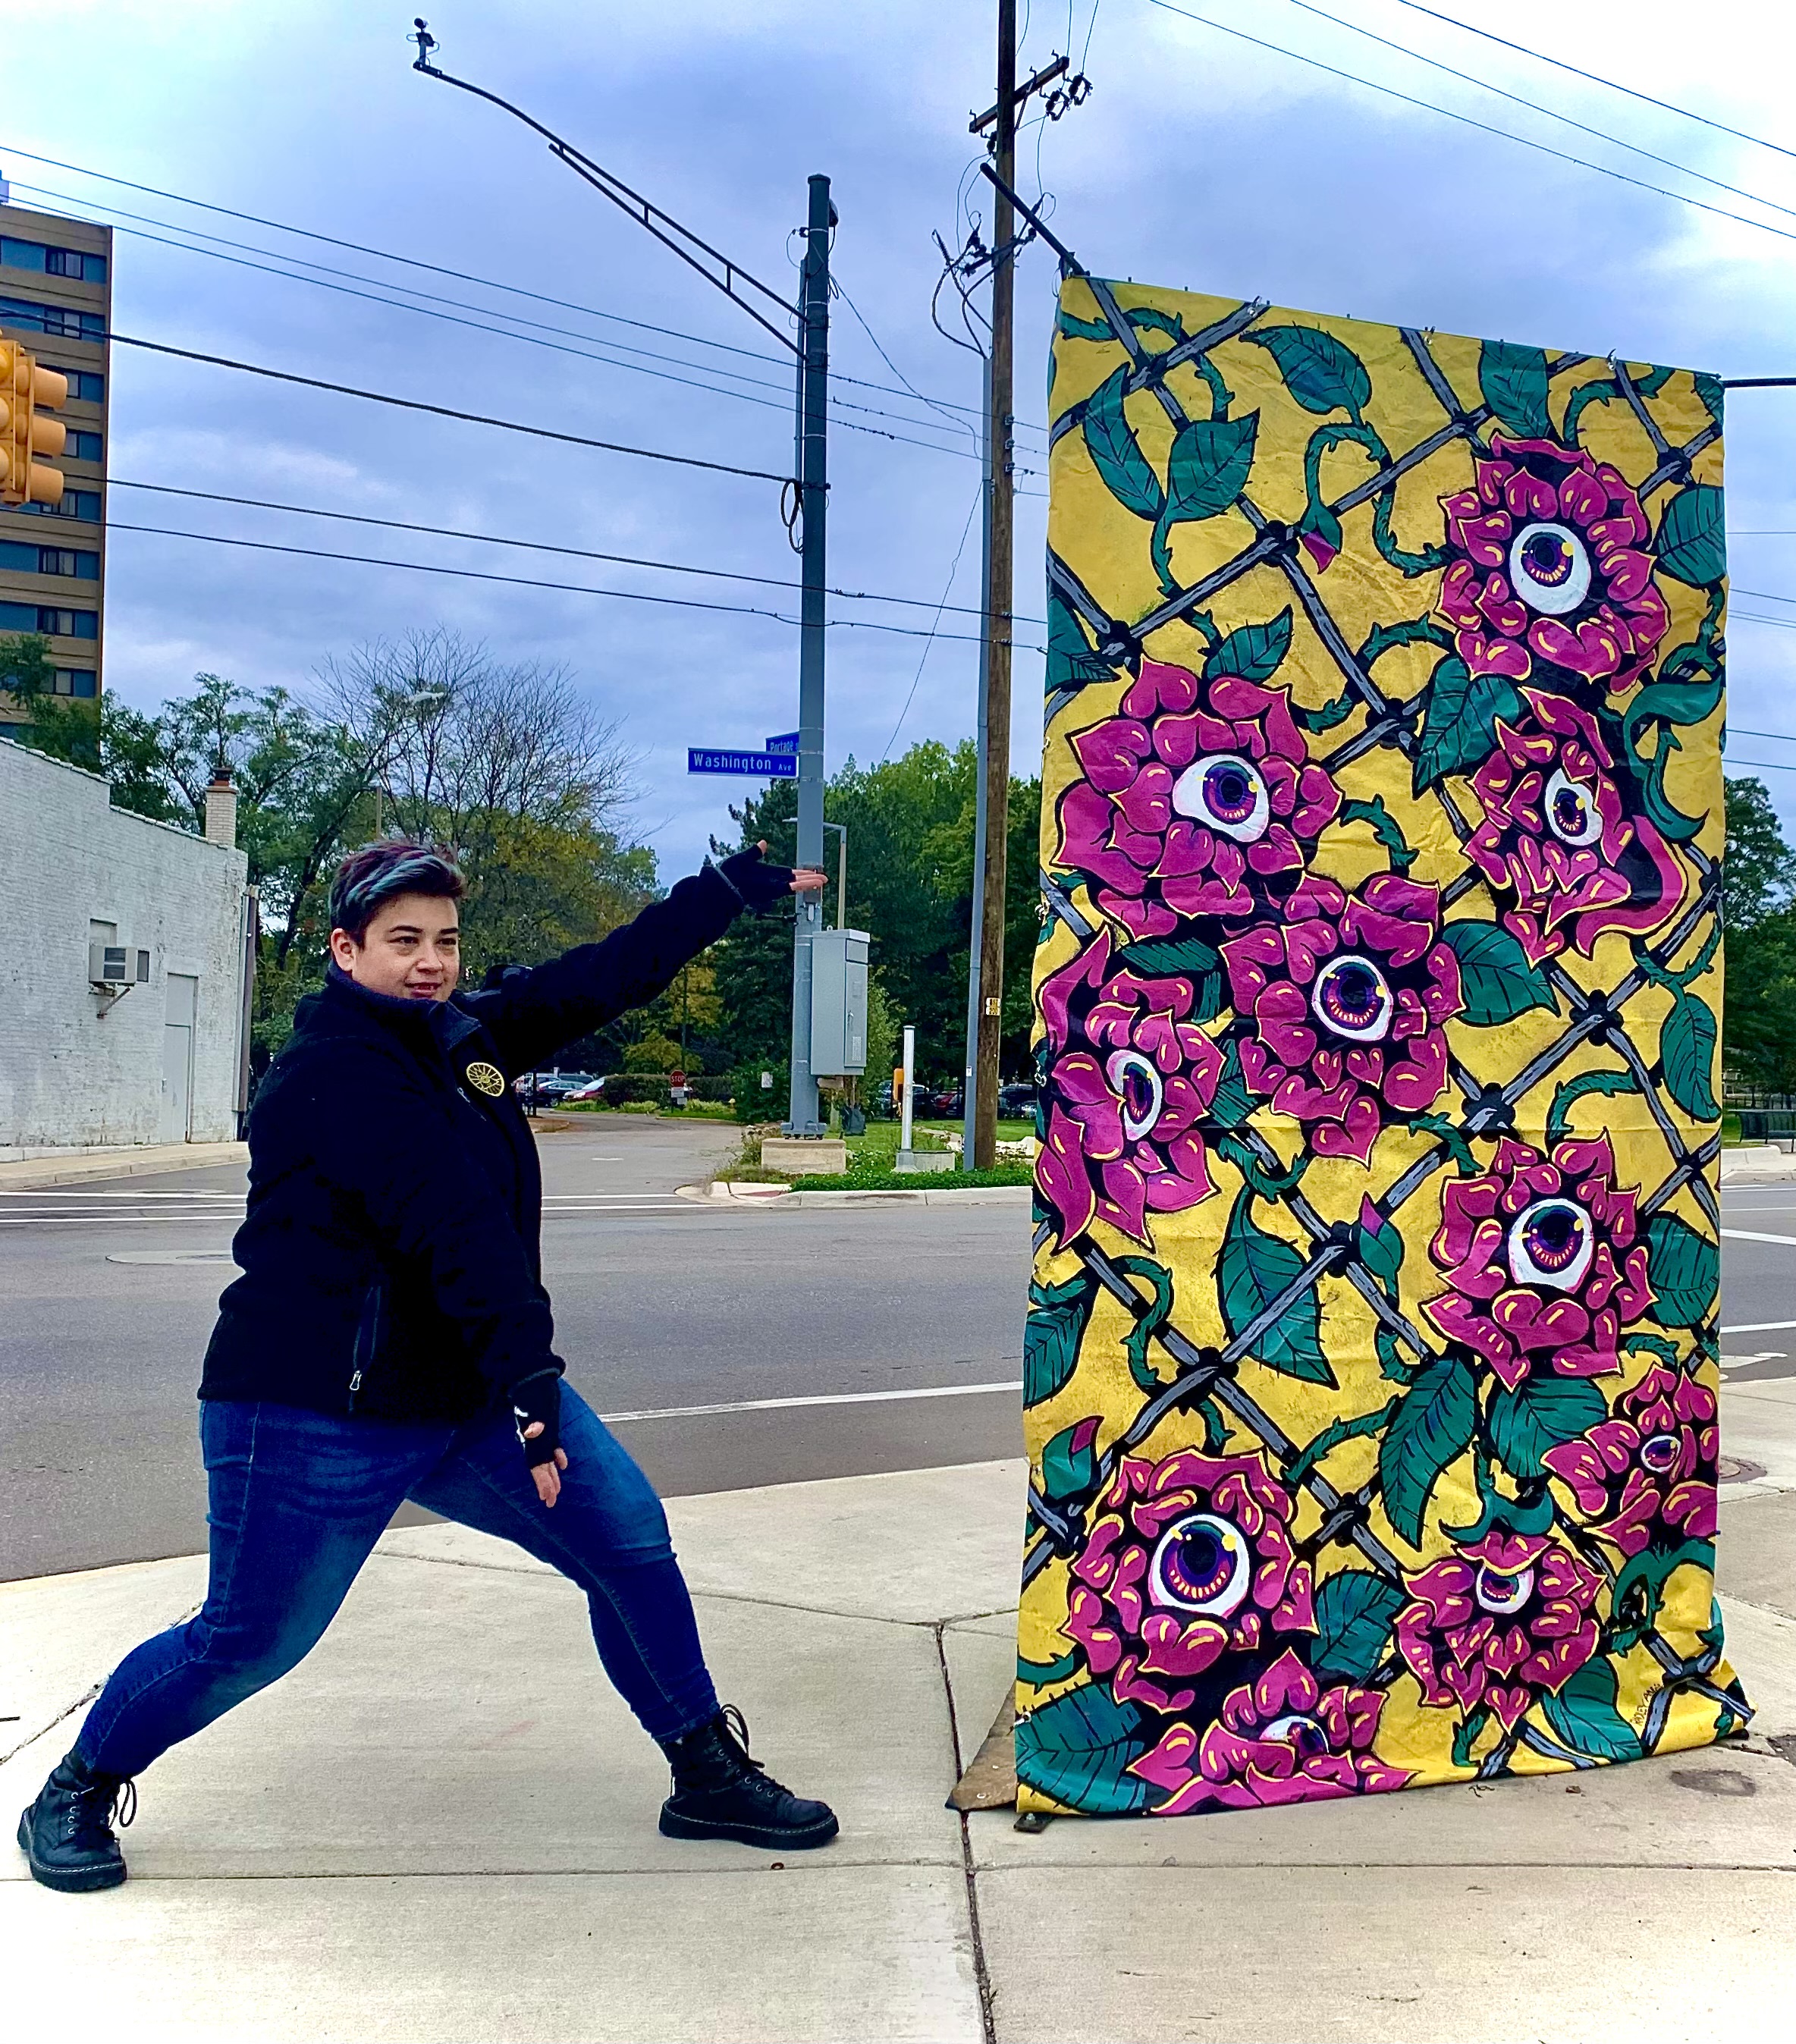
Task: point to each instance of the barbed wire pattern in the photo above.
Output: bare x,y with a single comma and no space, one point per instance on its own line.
1372,1359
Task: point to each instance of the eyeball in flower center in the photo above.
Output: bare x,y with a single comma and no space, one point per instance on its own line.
1659,1454
1225,793
1202,1563
1352,998
1304,1733
1501,1593
1571,811
1139,1089
1549,568
1551,1244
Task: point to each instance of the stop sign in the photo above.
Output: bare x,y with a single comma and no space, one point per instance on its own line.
676,1078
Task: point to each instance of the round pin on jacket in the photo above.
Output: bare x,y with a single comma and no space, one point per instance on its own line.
486,1078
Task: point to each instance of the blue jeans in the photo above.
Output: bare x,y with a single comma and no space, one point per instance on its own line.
298,1500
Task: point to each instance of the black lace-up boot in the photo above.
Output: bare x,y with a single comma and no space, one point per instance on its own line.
67,1834
720,1793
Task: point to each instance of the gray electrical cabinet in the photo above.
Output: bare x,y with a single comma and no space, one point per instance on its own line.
838,1003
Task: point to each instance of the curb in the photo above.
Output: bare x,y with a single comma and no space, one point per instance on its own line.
39,1172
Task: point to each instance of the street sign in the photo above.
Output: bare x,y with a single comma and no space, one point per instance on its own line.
676,1078
765,766
786,741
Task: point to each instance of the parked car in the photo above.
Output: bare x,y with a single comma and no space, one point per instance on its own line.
548,1088
1016,1100
592,1090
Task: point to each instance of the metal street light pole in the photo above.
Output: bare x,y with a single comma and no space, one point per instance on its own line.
812,350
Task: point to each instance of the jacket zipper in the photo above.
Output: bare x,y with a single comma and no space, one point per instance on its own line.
367,1339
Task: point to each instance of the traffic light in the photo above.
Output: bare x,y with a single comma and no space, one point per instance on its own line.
28,392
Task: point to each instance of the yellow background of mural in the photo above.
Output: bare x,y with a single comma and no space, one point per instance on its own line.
1427,408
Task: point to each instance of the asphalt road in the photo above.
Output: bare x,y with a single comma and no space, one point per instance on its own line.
663,1307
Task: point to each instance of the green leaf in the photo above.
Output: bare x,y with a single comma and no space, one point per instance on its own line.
1686,1270
1181,957
1253,651
1495,977
1583,1715
1467,1734
1460,727
1052,1333
1692,540
1126,469
1686,1049
1381,1245
1071,661
1431,1427
1072,327
1569,1091
1514,381
1320,373
1078,1749
1208,467
1253,1268
1069,1462
1355,1609
1232,1103
1042,1674
1539,1414
1710,390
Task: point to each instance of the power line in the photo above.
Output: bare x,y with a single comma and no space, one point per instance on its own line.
1774,765
1466,121
1645,98
445,411
948,591
440,269
546,547
572,588
1745,730
1533,106
376,297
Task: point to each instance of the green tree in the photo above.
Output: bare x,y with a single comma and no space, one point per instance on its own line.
1759,868
1758,879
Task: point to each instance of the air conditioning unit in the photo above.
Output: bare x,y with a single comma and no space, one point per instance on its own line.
116,968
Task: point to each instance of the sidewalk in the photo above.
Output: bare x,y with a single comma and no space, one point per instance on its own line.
73,1167
440,1827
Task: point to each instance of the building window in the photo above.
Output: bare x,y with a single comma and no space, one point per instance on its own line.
56,623
82,383
53,261
20,559
83,447
59,319
80,682
74,561
75,504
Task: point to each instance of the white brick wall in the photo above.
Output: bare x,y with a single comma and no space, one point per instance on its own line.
79,1067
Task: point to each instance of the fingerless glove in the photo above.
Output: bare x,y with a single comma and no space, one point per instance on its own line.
758,885
535,1398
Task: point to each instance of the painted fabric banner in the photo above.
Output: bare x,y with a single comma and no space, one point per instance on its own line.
1372,1355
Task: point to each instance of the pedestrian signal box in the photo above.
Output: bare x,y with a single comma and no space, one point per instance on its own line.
838,1003
29,394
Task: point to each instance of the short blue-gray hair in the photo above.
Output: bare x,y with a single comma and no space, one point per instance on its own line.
380,873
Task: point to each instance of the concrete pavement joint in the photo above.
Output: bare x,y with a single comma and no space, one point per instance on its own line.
812,1864
982,1972
50,1724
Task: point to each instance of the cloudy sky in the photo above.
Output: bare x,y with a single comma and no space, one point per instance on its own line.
1201,159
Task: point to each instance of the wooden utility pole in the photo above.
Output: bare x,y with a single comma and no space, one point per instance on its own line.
1000,438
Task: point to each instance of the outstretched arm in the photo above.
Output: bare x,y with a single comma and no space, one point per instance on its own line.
533,1011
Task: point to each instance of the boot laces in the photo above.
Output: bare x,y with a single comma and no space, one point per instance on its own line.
94,1808
735,1727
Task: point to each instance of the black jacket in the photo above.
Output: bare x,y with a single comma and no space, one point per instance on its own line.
390,1252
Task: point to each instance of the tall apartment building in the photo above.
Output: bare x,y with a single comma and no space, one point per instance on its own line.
56,299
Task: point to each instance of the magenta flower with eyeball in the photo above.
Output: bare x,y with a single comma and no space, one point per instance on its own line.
1130,1078
1550,562
1348,997
1195,793
1282,1737
1186,1559
1556,834
1541,1253
1494,1625
1646,1473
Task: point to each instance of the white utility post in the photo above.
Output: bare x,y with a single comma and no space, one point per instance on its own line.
910,1082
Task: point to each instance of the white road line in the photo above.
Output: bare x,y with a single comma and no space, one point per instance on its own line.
1760,1327
1746,1235
837,1398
